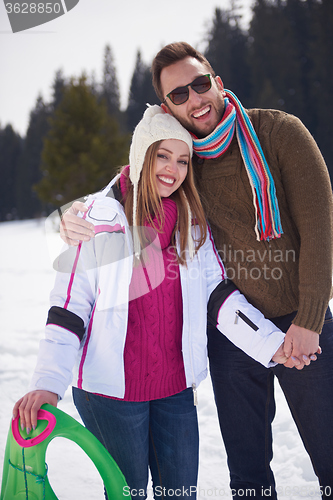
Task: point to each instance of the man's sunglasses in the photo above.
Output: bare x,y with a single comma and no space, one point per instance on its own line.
181,94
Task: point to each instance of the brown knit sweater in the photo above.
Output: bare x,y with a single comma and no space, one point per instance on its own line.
293,273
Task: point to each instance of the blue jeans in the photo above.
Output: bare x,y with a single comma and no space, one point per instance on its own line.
244,395
161,435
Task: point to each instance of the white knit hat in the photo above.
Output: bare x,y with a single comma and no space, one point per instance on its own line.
155,125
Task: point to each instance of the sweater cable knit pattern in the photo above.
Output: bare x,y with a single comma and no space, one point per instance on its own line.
291,273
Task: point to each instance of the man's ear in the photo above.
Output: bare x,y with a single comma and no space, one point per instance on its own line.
219,83
165,108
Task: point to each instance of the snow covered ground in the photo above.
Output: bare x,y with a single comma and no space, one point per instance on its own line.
26,278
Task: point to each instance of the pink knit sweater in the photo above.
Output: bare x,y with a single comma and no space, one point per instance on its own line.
153,350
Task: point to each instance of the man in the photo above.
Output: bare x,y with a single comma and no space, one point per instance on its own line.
267,196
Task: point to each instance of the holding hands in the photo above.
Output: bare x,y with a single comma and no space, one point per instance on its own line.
298,341
301,347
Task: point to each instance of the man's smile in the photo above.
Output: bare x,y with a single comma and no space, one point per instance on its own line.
202,112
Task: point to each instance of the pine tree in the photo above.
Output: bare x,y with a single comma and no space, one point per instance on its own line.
28,204
110,86
83,148
10,151
291,51
320,82
141,92
227,52
58,87
274,61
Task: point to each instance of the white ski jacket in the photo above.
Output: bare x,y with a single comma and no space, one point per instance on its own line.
87,322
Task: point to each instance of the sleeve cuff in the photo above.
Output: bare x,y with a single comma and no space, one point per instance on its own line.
311,314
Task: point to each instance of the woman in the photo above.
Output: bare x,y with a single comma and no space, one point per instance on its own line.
129,309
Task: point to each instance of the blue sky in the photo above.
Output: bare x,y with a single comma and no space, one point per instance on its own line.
75,42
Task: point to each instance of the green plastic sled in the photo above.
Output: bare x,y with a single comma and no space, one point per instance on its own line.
25,471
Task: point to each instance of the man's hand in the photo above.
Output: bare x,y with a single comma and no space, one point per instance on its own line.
28,406
73,229
300,346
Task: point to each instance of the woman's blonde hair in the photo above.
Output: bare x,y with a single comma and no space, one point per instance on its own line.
149,203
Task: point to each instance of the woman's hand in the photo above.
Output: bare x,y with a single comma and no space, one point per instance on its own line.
28,406
280,357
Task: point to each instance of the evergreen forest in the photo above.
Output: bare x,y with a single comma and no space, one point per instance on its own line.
77,141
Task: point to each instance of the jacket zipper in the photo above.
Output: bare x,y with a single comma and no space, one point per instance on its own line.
247,320
194,386
195,395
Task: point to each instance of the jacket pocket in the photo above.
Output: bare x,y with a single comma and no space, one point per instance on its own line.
247,320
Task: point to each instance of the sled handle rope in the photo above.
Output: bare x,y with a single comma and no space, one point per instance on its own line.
25,471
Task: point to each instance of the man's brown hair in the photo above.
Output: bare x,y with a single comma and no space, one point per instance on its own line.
170,54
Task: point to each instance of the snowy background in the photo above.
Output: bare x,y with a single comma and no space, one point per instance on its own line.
26,278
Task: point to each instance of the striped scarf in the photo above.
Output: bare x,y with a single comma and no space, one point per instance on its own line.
268,222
